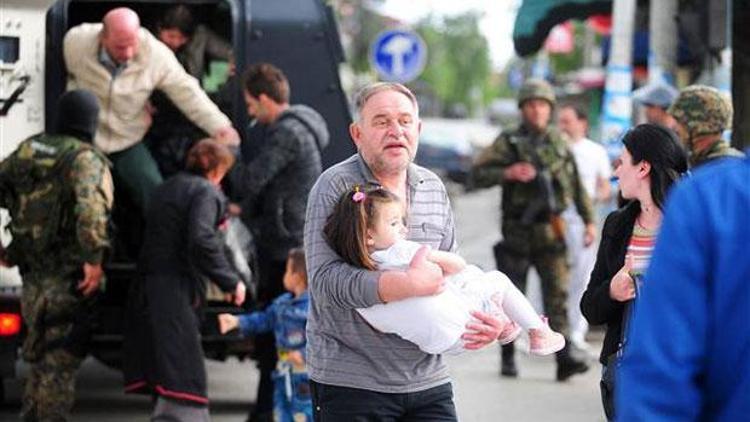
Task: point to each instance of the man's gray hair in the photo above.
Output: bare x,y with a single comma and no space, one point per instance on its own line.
368,91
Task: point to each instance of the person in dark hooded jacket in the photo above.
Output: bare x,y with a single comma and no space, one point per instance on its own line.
272,188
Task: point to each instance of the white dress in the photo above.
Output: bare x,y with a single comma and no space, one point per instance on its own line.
435,323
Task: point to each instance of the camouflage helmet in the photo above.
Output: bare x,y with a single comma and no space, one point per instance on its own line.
703,110
536,88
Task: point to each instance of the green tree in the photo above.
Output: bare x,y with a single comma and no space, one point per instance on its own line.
360,25
458,68
370,25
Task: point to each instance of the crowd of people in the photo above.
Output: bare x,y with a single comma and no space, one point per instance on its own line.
351,256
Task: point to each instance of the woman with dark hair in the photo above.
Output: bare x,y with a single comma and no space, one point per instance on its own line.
193,43
182,249
652,160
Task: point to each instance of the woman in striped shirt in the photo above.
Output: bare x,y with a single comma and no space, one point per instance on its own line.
652,160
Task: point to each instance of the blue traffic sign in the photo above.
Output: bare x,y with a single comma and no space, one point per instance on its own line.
398,55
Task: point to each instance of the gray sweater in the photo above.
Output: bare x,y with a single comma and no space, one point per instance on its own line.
342,349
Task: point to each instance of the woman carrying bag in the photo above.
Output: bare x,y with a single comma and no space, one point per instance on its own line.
650,163
182,249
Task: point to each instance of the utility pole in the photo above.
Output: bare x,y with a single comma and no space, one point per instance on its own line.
662,29
618,102
741,73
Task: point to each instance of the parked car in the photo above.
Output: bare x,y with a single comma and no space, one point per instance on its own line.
446,152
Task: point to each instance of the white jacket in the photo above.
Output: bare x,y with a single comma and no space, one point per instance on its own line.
123,120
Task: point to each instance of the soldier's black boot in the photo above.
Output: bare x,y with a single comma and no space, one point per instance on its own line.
508,361
569,365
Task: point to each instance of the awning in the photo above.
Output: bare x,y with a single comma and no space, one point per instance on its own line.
537,17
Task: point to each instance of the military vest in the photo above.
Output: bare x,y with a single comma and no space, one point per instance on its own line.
548,152
716,151
42,206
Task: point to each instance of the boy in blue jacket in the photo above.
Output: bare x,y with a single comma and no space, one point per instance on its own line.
286,317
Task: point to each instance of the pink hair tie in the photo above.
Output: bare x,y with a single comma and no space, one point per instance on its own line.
358,196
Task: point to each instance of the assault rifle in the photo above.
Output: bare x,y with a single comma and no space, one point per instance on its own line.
545,203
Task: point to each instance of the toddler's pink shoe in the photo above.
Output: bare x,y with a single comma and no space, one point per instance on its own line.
543,341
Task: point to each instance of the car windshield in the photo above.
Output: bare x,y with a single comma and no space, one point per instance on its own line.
446,139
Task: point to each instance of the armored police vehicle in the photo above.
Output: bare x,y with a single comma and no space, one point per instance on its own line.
299,36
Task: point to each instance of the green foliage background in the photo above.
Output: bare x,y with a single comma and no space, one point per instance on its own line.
459,67
458,70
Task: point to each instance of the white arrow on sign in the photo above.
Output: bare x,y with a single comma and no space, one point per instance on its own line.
398,55
397,47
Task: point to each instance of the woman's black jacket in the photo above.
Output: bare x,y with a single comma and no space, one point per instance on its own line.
596,305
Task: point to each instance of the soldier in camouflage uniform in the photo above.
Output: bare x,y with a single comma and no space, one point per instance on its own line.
539,179
58,190
702,113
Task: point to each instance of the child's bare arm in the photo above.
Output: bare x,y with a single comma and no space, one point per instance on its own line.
449,262
227,323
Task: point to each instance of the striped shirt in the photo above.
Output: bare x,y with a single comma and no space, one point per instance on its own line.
342,349
641,247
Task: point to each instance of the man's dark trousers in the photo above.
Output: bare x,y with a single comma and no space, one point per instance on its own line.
342,404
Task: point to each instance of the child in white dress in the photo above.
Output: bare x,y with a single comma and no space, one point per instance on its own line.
368,229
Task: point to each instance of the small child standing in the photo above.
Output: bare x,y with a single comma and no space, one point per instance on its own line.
368,230
286,317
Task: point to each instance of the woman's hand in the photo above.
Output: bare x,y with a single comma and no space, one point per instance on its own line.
483,331
622,287
234,209
239,293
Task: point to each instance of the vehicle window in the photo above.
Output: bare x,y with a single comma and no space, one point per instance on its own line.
208,57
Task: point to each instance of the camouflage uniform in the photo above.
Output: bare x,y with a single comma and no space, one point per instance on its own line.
535,243
536,238
51,263
703,111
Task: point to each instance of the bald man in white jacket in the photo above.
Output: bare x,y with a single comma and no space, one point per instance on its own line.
122,64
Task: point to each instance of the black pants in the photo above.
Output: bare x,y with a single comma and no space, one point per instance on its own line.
343,404
271,285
